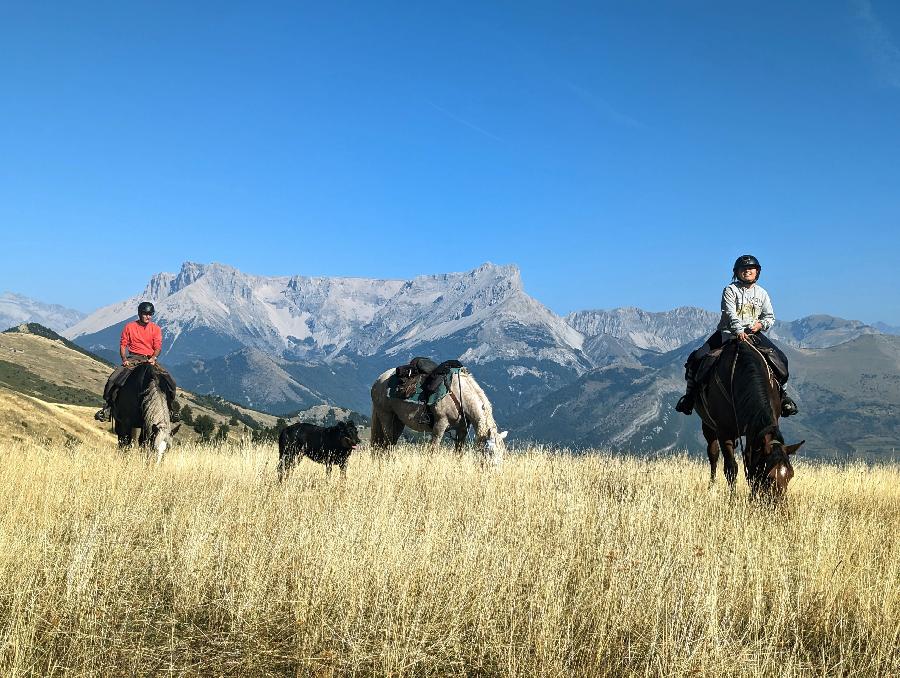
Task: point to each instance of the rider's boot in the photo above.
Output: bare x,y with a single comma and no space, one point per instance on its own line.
686,402
103,414
788,406
174,411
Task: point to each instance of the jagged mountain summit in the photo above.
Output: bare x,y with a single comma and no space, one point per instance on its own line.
16,309
299,317
354,326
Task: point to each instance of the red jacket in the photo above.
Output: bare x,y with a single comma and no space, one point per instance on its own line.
146,340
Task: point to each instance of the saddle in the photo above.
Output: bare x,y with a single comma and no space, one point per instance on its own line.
166,382
423,376
707,364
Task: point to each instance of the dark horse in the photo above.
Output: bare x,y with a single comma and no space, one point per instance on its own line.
141,403
741,398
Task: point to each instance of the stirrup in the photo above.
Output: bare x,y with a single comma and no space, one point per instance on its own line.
103,414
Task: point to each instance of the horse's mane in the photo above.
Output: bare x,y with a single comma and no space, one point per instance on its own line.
154,409
484,423
751,389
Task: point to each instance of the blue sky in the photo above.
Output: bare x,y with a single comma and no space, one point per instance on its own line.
621,154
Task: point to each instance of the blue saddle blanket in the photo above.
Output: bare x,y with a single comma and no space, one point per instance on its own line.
394,388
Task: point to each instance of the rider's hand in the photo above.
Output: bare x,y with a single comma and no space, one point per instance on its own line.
757,326
742,336
152,361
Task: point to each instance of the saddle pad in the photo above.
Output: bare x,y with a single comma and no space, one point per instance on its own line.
395,391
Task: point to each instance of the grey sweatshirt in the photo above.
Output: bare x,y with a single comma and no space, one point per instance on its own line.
742,306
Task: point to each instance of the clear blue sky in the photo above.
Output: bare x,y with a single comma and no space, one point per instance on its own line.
620,153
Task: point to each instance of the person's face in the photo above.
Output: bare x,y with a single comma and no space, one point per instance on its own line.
748,274
146,317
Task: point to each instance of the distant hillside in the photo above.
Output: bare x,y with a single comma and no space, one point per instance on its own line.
39,330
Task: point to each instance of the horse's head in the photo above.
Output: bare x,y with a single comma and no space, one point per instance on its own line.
493,447
770,468
160,439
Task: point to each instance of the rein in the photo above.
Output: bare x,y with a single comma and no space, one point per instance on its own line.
458,401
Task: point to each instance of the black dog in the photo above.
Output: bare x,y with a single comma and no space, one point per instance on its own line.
331,445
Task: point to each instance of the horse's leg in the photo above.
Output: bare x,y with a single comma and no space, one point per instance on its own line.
731,467
123,433
462,430
377,441
396,429
437,433
343,468
712,451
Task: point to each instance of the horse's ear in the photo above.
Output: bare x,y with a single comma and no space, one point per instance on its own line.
503,435
791,449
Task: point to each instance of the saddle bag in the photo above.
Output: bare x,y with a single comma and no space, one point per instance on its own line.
404,372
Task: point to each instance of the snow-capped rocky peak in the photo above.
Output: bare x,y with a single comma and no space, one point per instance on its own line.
300,317
191,272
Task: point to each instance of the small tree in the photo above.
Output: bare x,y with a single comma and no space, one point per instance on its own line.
204,425
233,421
222,433
187,415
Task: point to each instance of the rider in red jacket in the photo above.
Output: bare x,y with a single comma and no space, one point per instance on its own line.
141,342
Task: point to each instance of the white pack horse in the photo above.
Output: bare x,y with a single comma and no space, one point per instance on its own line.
467,406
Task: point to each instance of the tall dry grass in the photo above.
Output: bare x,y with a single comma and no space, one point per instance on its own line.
554,566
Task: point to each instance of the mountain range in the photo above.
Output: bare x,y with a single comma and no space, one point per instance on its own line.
605,378
16,309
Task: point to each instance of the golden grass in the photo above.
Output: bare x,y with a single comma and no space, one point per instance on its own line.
553,566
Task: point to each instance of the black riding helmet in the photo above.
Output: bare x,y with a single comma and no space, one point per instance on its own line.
146,307
747,261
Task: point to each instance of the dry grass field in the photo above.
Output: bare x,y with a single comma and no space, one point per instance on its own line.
430,566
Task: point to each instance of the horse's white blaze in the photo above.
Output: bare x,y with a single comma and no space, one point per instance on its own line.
492,451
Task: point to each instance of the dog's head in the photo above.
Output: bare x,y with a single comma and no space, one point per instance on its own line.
349,436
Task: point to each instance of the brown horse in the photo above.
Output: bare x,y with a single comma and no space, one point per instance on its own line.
741,398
